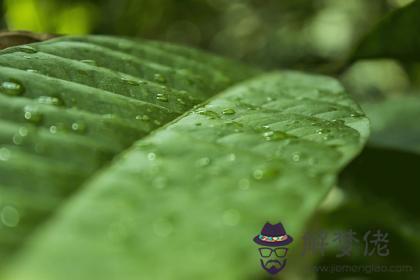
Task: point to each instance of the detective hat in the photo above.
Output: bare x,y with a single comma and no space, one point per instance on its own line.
273,235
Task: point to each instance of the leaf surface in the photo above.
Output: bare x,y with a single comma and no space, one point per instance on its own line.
69,105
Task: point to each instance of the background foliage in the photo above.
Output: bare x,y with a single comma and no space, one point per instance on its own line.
300,34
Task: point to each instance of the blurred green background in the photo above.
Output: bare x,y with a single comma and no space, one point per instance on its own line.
273,33
299,34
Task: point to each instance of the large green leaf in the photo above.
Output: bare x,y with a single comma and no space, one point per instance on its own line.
396,36
186,201
68,105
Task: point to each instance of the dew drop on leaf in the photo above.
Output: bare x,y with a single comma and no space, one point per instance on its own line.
208,113
159,78
12,88
151,156
31,114
296,157
180,101
322,130
4,154
27,49
265,173
228,111
53,129
50,100
10,216
162,97
130,81
20,135
89,62
143,117
32,71
338,122
79,127
275,135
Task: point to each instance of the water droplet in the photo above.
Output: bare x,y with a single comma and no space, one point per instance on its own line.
53,129
162,97
159,78
275,135
202,162
4,154
157,122
32,114
338,122
151,156
20,135
231,217
198,123
89,62
32,71
130,81
296,157
228,111
143,117
258,174
12,88
23,131
208,113
78,127
50,100
268,134
236,125
10,216
355,115
27,49
322,130
17,139
265,173
180,101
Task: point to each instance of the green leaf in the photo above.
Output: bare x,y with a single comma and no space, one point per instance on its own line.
69,105
186,201
396,36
